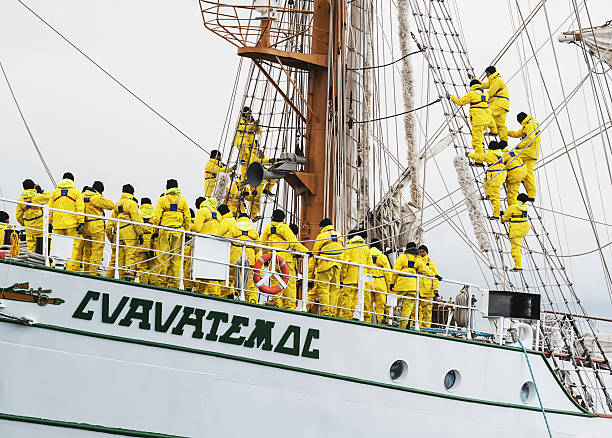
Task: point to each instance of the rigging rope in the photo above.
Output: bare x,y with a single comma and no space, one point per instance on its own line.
107,73
26,125
398,114
386,65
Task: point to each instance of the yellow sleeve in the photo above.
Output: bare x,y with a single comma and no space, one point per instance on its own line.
515,134
299,247
19,213
398,266
186,214
386,265
102,202
423,268
41,198
477,156
135,217
159,211
434,269
320,240
198,223
461,101
80,207
508,214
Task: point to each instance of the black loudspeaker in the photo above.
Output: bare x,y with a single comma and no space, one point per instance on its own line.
513,305
254,174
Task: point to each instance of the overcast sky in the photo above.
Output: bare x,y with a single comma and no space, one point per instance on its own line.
86,124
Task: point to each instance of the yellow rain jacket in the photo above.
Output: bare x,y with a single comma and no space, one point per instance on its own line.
382,279
279,235
498,92
207,218
126,209
146,212
172,211
227,221
480,113
517,215
95,204
29,216
242,229
530,133
356,251
3,229
328,244
66,197
245,135
211,170
427,286
409,263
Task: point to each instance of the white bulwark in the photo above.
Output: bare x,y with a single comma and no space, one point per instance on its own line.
104,356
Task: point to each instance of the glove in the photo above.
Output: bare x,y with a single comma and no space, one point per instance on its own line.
391,287
50,228
154,235
310,284
501,213
80,229
38,189
140,239
438,277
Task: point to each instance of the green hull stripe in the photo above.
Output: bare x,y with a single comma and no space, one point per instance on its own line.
582,413
85,426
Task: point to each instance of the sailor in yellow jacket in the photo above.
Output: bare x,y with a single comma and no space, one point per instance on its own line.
405,284
499,101
171,211
30,216
278,234
480,113
427,288
356,251
146,253
93,229
494,177
211,170
246,130
243,230
518,216
188,283
225,224
130,236
326,273
380,284
528,149
67,197
4,225
516,171
207,221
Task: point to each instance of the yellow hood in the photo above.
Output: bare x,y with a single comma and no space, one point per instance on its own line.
498,153
521,206
127,196
244,224
66,184
526,120
175,191
147,211
210,202
357,240
28,193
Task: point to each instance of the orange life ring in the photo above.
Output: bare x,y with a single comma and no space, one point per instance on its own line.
283,279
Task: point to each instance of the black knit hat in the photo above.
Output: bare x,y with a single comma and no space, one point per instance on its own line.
490,69
171,184
522,197
98,186
69,176
295,229
223,209
520,117
493,145
278,215
325,222
411,245
199,201
145,201
28,184
475,82
423,247
4,217
128,189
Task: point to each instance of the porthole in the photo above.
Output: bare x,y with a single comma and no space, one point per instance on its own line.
528,392
398,371
452,380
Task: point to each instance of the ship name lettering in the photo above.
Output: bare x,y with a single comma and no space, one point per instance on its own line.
209,325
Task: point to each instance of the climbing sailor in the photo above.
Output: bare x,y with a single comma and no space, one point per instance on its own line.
246,130
528,149
499,101
517,215
516,171
494,177
480,114
212,169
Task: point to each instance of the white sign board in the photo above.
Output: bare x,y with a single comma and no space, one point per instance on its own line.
211,258
61,248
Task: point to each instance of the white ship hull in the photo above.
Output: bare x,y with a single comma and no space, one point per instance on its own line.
129,360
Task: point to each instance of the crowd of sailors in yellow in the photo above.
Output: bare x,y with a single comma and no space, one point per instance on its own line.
153,255
505,165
